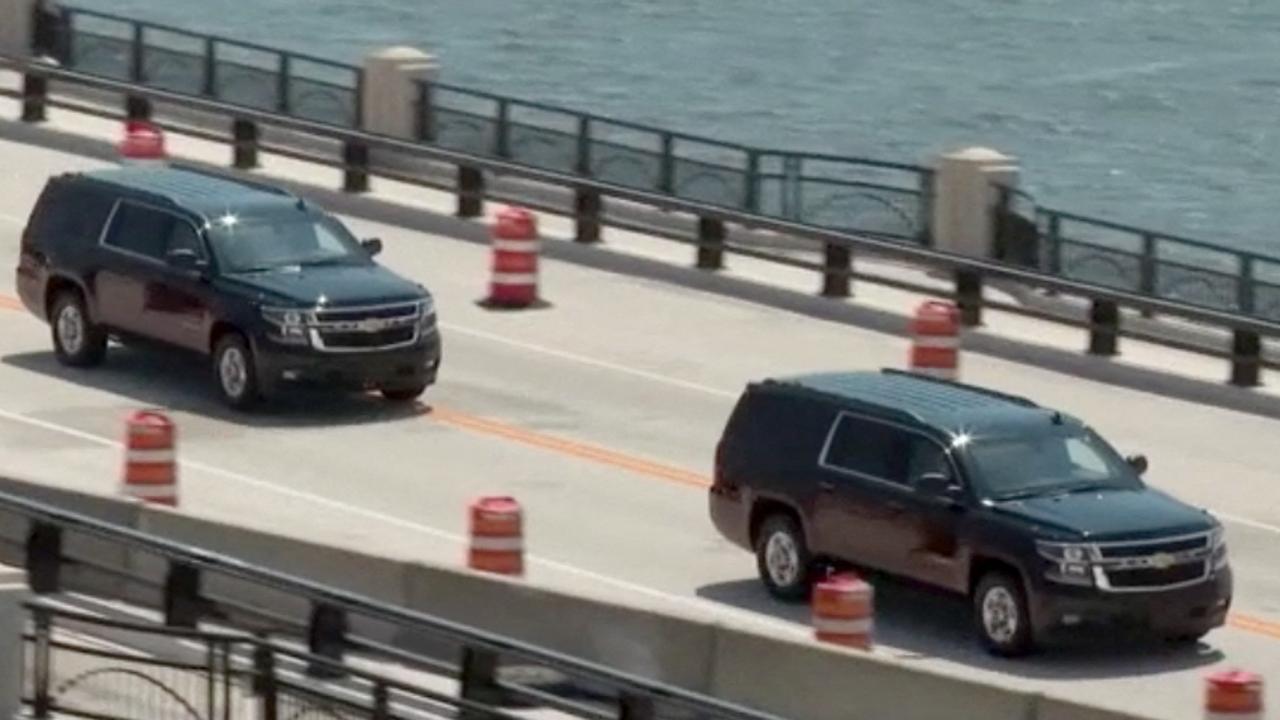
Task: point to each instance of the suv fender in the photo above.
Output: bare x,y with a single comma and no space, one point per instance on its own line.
56,283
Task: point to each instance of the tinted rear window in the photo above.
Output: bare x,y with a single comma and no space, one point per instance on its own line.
870,448
777,435
70,212
141,230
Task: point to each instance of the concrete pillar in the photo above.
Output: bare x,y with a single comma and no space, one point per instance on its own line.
964,194
391,90
13,592
15,27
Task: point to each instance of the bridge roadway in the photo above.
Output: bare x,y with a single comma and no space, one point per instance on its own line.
600,414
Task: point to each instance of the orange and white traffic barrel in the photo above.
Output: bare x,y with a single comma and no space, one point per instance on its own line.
843,609
150,462
497,536
935,340
514,279
142,144
1233,695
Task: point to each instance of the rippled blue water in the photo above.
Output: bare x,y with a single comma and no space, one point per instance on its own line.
1157,113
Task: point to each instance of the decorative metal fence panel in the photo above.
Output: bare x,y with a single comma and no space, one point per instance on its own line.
191,63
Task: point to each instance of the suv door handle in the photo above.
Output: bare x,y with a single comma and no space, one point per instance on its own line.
896,506
826,485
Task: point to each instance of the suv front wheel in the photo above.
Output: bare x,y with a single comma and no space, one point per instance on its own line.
1001,616
233,371
77,341
782,558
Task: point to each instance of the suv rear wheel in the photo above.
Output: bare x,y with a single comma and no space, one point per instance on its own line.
1001,616
233,371
782,558
76,340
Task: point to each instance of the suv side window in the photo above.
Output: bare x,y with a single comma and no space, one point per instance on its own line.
141,230
868,448
68,211
927,456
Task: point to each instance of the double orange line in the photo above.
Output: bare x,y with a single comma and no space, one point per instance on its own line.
640,466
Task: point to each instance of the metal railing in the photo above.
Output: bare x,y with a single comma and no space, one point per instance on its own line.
885,199
61,549
477,178
192,63
85,665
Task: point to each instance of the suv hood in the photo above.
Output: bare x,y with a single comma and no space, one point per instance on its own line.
1111,514
335,284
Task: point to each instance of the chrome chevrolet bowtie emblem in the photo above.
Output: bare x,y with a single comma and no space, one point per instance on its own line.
1162,560
371,325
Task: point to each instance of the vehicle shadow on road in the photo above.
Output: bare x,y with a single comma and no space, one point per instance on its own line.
916,623
180,383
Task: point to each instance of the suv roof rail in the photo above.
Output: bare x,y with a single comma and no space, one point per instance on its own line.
233,178
1016,399
898,412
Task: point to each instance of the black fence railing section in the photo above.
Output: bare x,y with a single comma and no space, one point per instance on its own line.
300,645
191,63
90,666
884,199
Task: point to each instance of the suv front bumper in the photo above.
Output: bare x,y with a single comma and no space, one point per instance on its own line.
1186,611
281,367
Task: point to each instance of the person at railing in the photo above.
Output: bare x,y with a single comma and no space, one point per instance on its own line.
50,32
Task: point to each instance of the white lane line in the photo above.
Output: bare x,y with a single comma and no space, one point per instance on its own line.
589,361
1247,522
12,219
320,500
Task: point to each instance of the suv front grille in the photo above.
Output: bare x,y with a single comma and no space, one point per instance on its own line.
365,329
1159,564
1144,578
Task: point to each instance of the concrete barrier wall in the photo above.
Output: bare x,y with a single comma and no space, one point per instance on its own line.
784,676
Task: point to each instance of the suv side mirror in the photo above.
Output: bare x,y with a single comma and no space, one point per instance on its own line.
373,246
938,485
1138,463
186,260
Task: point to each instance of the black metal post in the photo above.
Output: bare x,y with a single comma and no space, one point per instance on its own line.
667,170
1104,327
42,702
137,55
137,107
587,209
264,680
1246,358
1245,288
327,638
426,115
969,297
636,707
355,173
244,143
502,136
282,85
924,211
751,201
1148,270
183,606
381,701
479,677
837,264
44,558
710,243
35,97
470,191
211,67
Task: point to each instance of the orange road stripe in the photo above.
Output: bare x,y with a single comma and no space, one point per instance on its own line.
568,447
11,303
1254,625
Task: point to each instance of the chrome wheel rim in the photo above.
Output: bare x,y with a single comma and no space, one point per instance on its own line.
1000,615
71,329
782,559
233,372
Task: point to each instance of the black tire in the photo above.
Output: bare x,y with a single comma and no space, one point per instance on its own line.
1008,607
404,394
234,372
1192,637
789,580
77,341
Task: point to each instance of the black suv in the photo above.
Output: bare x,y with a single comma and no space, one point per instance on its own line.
1025,510
275,290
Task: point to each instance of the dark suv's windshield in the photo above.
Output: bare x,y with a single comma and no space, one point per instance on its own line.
1064,459
268,242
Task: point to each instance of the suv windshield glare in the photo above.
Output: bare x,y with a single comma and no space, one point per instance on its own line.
250,244
1069,460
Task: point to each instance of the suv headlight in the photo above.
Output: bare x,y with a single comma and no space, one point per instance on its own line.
1218,541
1069,563
427,315
290,324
